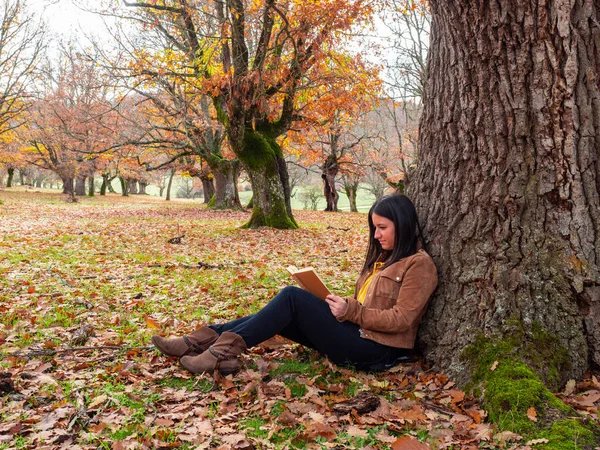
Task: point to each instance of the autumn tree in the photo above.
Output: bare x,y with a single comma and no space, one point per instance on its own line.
508,190
71,122
21,47
253,59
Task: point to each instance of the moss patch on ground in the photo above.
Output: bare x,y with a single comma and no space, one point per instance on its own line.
516,395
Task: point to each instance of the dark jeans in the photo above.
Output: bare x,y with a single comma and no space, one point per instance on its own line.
301,317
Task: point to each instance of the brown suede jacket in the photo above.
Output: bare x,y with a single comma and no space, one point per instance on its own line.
395,302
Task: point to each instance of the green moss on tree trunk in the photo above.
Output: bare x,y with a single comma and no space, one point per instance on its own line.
259,155
511,375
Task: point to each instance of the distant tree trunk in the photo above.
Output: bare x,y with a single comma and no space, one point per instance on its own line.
508,181
225,175
80,186
124,186
208,187
11,173
351,189
22,177
91,186
105,183
161,190
142,189
109,185
169,184
330,170
133,186
68,187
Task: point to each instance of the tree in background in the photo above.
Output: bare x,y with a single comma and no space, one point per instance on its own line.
507,188
22,43
253,59
329,135
408,23
71,122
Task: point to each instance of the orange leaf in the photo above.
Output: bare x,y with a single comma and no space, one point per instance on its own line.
31,289
408,443
49,344
151,323
532,414
457,396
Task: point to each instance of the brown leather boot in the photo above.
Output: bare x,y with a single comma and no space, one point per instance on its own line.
221,356
191,344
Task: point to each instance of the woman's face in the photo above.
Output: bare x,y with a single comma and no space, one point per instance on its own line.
384,231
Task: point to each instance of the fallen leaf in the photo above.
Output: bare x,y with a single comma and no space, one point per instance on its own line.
532,414
97,401
570,387
494,366
408,443
151,323
457,396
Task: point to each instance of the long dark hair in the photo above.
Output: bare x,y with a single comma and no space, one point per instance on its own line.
400,210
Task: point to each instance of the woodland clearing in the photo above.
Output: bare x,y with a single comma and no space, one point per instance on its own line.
84,285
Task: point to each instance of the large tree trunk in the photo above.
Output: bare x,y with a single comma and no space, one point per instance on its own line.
351,189
508,179
270,182
11,174
142,189
91,187
330,170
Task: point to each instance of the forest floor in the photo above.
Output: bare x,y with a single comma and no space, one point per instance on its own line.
83,287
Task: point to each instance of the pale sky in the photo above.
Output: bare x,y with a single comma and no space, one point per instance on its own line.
65,19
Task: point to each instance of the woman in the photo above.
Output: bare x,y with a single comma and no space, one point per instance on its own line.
372,330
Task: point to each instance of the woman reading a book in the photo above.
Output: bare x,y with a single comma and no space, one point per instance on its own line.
372,330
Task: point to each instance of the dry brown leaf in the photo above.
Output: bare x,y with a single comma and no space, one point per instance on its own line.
570,387
408,443
588,400
532,414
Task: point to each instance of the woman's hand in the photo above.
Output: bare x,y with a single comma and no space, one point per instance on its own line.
338,305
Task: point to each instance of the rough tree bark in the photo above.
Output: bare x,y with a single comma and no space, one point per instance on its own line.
509,176
91,187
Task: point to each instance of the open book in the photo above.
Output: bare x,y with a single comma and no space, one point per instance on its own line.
309,281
